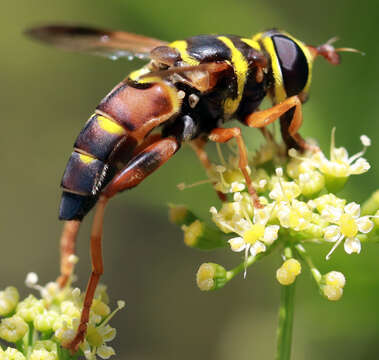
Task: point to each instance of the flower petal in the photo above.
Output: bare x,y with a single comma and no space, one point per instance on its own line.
352,245
237,244
261,216
340,155
353,209
257,248
271,234
105,352
332,233
331,213
365,225
359,167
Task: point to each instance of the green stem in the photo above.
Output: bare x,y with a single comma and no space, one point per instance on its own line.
284,334
305,257
249,261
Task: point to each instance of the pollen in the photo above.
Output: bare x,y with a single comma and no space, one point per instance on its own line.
348,225
254,234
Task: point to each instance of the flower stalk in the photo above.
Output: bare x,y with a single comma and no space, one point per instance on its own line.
285,323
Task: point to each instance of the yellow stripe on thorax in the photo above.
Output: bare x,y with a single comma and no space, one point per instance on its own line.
240,67
181,46
110,126
279,91
252,43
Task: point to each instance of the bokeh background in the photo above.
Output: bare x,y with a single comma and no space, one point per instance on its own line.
47,95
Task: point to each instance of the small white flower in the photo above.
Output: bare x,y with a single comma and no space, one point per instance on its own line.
256,234
284,190
348,225
340,164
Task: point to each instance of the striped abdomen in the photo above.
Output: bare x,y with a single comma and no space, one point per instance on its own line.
121,122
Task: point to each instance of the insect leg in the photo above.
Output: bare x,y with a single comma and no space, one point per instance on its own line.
221,135
67,248
97,271
198,146
263,118
138,168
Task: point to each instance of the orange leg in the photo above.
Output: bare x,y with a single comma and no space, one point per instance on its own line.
260,119
221,135
97,271
67,246
198,146
138,168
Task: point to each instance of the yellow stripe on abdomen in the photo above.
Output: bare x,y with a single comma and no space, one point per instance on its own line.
110,126
240,67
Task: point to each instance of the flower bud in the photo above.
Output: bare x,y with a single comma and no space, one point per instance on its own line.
332,293
11,354
332,285
8,300
44,322
44,350
201,236
210,276
286,274
13,329
311,183
29,308
43,355
69,308
180,215
335,278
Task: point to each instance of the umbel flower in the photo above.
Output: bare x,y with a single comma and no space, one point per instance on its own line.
40,327
301,206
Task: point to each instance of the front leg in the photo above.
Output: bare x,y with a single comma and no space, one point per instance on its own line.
222,135
290,110
138,168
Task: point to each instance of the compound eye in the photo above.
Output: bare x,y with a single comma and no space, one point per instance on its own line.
293,64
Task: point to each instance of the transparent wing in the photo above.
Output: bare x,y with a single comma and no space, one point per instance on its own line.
108,43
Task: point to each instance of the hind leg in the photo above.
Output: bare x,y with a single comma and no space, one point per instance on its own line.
138,168
67,249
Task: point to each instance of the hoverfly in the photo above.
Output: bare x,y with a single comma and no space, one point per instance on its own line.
186,91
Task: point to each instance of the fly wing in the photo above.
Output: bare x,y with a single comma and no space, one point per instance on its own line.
108,43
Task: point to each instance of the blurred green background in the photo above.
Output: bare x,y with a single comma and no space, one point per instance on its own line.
47,95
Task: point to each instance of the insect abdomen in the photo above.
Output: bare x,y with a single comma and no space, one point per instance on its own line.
87,167
123,119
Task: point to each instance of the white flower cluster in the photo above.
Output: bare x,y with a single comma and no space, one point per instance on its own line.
299,206
295,201
41,328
